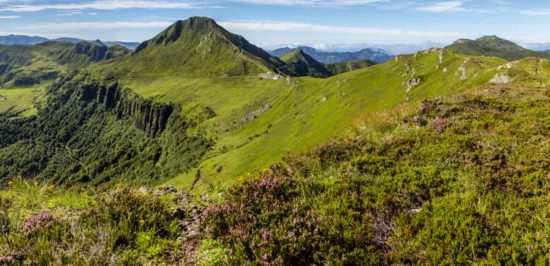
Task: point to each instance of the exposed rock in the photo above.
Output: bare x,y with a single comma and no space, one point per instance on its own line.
507,66
167,189
413,82
500,79
414,210
144,190
255,114
461,72
270,75
146,115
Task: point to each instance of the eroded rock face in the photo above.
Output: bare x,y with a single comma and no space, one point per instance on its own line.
501,79
92,131
255,114
413,82
462,73
145,114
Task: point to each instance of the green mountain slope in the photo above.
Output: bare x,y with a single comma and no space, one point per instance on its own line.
494,46
305,112
196,47
454,180
30,65
26,70
92,132
242,121
301,64
339,68
459,180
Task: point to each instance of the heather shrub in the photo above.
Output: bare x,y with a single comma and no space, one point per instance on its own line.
124,227
461,181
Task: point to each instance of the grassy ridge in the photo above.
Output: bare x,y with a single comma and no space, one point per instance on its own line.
305,112
460,181
22,66
26,70
253,122
453,180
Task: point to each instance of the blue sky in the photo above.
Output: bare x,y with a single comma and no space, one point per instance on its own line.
271,23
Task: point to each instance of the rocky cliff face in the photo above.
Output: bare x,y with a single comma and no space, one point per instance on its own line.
97,132
145,114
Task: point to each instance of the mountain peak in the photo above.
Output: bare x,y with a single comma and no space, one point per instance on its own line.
192,26
303,64
495,40
490,37
298,54
198,46
493,45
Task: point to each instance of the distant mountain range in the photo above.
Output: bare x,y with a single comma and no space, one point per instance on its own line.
32,40
28,65
301,63
375,55
21,40
544,46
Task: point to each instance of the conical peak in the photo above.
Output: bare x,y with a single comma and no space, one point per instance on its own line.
195,24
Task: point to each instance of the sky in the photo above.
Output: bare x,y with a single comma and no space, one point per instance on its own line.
274,23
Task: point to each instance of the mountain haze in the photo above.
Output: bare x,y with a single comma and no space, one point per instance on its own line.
29,40
372,54
21,40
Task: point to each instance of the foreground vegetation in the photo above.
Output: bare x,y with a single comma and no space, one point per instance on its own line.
462,180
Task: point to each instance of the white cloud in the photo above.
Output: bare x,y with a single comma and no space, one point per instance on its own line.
9,17
318,3
453,6
238,26
305,27
70,13
444,6
535,13
33,5
102,5
64,26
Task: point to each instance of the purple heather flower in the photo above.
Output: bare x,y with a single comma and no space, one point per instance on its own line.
44,216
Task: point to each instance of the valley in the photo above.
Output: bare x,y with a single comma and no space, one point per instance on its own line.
200,148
